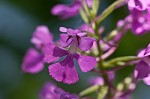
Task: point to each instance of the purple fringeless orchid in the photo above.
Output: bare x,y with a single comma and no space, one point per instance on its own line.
64,71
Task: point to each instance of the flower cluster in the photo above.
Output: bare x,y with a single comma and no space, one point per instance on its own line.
33,60
91,50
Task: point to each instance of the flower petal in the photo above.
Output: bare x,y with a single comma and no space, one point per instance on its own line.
86,43
52,53
64,71
67,95
138,4
86,28
89,2
142,70
63,29
47,91
86,63
147,51
65,40
58,9
96,81
64,11
147,80
32,62
41,36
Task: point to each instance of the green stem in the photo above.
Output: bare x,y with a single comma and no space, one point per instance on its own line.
100,63
120,61
89,90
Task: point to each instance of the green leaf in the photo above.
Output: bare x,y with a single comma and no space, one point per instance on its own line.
86,8
84,16
95,6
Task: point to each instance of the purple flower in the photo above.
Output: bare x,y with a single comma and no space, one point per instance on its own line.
140,21
68,11
147,80
64,95
64,70
51,91
139,4
33,60
47,92
76,38
96,81
142,69
86,28
41,37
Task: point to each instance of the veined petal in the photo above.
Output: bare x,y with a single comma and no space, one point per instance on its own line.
86,43
142,70
41,36
86,63
64,71
32,62
65,40
52,53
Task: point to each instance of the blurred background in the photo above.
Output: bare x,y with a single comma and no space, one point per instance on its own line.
18,20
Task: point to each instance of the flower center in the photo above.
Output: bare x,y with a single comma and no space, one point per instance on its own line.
73,46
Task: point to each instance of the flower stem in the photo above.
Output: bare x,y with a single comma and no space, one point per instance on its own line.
119,61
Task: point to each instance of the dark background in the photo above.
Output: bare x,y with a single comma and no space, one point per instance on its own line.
18,20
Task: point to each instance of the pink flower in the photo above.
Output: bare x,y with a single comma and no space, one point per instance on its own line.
142,69
51,91
68,11
139,4
64,70
140,23
33,59
41,37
